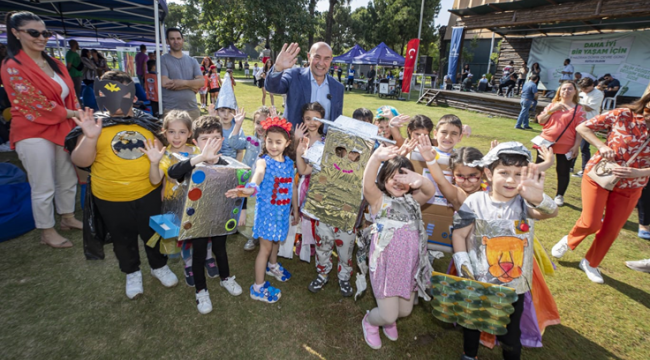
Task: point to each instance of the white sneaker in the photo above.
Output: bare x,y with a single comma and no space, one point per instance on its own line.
561,247
134,284
592,273
231,285
639,265
203,303
166,276
559,200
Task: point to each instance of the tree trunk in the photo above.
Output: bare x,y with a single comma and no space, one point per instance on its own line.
312,11
330,18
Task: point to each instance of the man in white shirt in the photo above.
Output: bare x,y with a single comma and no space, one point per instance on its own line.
400,77
256,69
590,99
567,72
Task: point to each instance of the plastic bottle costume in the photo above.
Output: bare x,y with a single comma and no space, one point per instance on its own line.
273,206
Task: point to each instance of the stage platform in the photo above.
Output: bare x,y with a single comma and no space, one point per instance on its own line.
487,103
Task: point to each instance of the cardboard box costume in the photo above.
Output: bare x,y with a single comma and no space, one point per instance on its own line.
198,207
335,190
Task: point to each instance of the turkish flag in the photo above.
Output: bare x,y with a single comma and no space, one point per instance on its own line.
409,63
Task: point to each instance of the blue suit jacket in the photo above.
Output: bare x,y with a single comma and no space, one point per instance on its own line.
295,83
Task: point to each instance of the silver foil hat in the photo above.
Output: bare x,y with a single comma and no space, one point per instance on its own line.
226,98
510,147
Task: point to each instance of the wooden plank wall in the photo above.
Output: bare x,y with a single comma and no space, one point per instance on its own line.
515,49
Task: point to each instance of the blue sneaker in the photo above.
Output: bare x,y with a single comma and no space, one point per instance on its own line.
643,234
189,276
279,273
267,293
211,267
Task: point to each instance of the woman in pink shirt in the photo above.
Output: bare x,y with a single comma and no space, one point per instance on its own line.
560,119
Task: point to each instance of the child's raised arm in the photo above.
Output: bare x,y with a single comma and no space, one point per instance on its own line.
370,190
423,188
548,156
252,187
531,188
453,194
395,124
237,139
84,153
155,154
461,258
301,164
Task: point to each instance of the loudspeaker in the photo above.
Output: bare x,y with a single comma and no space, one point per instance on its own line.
424,65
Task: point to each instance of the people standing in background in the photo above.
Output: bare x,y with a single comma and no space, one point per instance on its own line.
523,72
141,63
591,100
528,100
339,72
89,67
219,65
535,70
400,77
567,72
332,70
256,69
371,80
247,71
261,78
73,61
181,77
241,66
100,62
349,85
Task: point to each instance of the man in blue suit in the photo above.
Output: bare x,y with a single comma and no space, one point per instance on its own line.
305,85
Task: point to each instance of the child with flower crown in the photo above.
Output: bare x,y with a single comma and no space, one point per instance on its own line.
272,182
253,146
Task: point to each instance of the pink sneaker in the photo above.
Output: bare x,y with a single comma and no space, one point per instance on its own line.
371,334
391,331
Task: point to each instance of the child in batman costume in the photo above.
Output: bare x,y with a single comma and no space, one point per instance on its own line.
120,198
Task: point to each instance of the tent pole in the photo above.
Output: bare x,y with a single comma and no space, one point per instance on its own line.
417,53
158,69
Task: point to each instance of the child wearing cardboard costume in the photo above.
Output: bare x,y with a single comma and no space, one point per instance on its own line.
208,137
335,167
493,236
110,144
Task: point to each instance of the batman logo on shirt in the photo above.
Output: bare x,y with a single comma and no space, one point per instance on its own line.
127,144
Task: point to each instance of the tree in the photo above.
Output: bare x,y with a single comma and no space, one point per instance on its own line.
330,18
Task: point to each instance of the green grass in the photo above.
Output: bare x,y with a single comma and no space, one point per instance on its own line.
55,304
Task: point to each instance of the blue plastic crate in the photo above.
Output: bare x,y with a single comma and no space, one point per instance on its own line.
164,225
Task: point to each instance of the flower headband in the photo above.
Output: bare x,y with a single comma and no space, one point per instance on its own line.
276,121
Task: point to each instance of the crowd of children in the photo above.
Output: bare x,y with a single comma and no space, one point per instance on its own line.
132,171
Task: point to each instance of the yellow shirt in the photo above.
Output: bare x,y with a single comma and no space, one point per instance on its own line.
164,165
165,162
120,171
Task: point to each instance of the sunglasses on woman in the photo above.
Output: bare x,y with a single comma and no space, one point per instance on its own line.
35,33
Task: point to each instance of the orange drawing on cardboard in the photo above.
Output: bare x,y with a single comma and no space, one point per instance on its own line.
505,255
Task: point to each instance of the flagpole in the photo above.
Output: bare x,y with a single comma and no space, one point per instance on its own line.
417,53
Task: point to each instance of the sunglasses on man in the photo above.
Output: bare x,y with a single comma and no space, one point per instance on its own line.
35,33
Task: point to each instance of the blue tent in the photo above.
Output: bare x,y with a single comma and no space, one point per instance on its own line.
96,42
350,55
380,55
230,51
99,18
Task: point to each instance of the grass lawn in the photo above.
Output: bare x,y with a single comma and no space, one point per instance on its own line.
57,305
